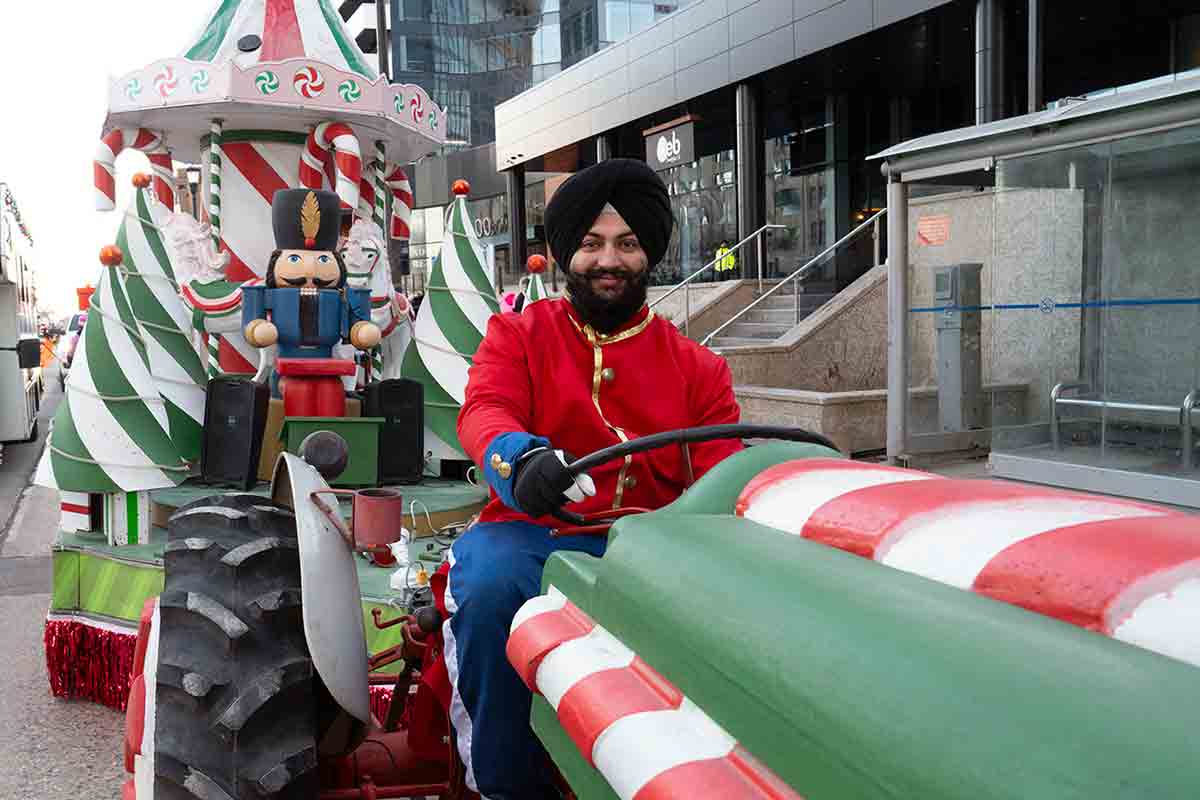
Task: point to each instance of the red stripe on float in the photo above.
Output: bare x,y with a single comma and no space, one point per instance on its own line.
597,701
1094,574
144,139
254,168
231,361
281,32
75,508
537,636
236,270
735,775
790,469
104,180
862,521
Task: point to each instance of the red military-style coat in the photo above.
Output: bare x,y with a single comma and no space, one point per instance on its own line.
545,373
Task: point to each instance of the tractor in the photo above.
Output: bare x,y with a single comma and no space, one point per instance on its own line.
704,655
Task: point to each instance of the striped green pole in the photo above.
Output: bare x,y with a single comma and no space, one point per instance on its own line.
380,189
214,180
214,218
214,355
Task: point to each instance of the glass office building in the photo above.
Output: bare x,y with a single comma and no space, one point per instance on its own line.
471,55
830,84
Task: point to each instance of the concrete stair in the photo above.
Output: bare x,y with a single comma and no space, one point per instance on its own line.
770,319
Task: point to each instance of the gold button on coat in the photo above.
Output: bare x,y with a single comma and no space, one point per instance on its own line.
630,482
496,459
504,470
608,374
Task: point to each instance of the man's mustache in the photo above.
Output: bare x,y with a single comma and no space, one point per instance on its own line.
608,272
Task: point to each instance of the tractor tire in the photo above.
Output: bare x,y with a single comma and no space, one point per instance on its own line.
236,694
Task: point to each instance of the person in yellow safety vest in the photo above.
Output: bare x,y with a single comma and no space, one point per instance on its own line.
726,260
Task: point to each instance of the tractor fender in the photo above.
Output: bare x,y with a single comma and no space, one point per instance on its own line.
333,617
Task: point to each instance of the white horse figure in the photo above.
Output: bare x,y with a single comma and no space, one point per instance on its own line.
367,266
215,303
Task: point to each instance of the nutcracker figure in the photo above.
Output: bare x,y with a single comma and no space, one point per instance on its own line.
305,307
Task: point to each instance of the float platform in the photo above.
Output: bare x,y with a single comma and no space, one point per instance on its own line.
99,589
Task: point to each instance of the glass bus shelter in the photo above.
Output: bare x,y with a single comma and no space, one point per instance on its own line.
1044,293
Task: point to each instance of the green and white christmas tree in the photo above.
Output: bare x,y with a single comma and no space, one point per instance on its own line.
459,299
112,431
535,289
165,324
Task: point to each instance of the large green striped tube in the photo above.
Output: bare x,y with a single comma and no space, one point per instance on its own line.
853,680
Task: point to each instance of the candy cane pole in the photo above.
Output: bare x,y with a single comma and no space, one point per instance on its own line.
104,166
214,180
366,199
214,220
380,168
347,160
402,201
163,173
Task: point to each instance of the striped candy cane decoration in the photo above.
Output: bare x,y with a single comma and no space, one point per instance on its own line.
347,161
213,340
214,180
646,738
366,199
1127,570
104,165
379,189
402,201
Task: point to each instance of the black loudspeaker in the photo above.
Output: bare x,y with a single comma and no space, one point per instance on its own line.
401,402
235,417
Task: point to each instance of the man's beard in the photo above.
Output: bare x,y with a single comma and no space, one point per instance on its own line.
602,313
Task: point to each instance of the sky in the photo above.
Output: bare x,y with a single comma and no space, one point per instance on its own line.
57,59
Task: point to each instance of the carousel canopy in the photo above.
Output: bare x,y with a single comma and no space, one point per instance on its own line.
278,65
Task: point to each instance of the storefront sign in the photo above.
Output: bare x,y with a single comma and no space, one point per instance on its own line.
933,230
490,226
670,148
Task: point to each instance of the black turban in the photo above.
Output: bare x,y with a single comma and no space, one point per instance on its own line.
633,189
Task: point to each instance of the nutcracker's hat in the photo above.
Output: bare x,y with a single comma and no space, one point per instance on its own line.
306,219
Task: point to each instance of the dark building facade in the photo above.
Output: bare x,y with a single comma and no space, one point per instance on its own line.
815,87
472,55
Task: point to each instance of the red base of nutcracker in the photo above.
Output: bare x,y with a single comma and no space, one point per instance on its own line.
312,387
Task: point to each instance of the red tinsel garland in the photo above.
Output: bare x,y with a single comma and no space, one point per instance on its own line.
89,663
381,698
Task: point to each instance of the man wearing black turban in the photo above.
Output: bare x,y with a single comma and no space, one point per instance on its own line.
568,375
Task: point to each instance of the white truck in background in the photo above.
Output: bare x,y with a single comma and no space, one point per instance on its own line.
20,346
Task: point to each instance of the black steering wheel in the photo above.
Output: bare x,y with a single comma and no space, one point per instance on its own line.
682,436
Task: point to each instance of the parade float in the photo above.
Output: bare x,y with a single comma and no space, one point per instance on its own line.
267,96
796,625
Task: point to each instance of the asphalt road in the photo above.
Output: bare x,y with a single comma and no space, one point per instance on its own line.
49,748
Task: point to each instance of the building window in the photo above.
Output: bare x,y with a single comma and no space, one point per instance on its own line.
418,52
704,202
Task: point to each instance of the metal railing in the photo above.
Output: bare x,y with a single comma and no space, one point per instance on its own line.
871,222
1183,411
685,284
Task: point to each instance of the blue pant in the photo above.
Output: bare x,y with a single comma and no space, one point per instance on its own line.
494,568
